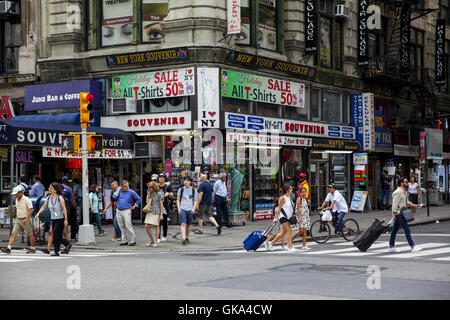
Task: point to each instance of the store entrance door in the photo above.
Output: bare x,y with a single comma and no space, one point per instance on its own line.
319,182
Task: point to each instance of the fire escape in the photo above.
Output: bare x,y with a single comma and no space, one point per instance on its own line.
395,69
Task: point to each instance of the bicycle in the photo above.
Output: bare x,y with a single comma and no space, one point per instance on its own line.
320,231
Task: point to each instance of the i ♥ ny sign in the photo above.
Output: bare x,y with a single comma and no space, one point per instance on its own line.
208,98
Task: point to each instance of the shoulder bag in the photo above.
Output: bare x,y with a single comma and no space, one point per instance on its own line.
293,219
407,214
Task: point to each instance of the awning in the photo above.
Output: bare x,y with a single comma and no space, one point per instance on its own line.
61,118
44,134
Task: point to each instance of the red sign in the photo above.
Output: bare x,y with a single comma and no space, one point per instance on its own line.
75,163
422,146
6,110
302,128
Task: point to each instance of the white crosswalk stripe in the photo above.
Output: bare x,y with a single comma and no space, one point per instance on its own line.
21,256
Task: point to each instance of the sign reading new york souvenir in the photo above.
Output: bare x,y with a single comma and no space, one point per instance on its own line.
148,57
251,87
154,85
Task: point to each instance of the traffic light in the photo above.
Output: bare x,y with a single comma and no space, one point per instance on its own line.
95,142
85,108
70,142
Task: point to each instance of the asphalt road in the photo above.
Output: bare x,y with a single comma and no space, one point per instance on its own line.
335,270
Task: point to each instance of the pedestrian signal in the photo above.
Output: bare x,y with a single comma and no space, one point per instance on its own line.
70,143
95,142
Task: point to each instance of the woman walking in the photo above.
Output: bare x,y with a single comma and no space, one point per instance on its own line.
156,200
413,192
303,218
284,212
93,207
57,207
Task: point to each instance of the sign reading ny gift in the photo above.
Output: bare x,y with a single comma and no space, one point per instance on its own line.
154,85
246,86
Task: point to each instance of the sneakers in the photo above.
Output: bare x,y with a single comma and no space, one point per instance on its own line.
102,233
306,248
266,245
415,249
67,249
45,251
149,244
56,254
285,248
163,239
393,250
184,242
219,230
270,246
6,250
132,244
198,231
159,241
31,251
292,249
188,241
124,244
115,239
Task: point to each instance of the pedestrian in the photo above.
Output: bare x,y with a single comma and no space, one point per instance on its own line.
38,189
187,199
168,196
338,207
413,192
221,201
24,210
125,197
303,183
399,202
303,218
113,205
205,192
286,209
24,185
57,205
71,207
386,183
277,229
93,208
78,194
155,200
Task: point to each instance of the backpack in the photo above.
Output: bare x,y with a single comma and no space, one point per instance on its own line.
26,189
65,195
193,194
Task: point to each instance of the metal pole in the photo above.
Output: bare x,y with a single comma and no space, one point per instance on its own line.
426,174
11,174
86,233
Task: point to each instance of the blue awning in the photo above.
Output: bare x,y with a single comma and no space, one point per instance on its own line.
61,118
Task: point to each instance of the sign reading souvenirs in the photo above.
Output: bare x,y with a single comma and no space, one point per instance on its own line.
250,60
154,85
283,126
363,34
311,26
148,57
440,52
251,87
149,122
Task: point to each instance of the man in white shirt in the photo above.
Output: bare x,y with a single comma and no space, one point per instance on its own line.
338,207
220,198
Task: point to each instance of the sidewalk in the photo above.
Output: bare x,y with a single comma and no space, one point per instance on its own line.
230,239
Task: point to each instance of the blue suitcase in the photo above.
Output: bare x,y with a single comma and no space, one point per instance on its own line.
257,238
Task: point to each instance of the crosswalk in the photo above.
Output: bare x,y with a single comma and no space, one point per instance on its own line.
21,256
434,251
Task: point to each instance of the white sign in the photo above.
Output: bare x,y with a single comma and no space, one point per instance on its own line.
52,152
208,98
406,151
244,138
234,16
286,126
149,122
360,158
435,144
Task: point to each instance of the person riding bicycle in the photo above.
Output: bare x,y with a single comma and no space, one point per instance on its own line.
338,207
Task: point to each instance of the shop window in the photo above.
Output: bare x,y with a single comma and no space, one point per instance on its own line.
378,40
267,24
10,41
346,109
235,105
315,104
267,110
331,107
417,47
153,13
292,165
444,10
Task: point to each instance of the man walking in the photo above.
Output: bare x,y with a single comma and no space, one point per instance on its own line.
220,198
38,189
24,209
125,197
205,192
71,207
386,183
400,201
113,204
187,201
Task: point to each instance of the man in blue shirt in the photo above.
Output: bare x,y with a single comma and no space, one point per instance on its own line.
127,201
220,198
38,189
205,192
186,202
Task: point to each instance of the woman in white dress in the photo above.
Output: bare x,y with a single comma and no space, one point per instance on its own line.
304,221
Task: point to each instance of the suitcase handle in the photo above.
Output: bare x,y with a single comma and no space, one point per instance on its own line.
270,229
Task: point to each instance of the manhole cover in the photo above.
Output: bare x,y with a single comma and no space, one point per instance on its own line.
322,268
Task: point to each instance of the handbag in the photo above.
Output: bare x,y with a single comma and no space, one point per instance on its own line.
146,209
293,219
407,214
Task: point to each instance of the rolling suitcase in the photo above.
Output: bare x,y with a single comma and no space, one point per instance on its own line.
370,235
257,238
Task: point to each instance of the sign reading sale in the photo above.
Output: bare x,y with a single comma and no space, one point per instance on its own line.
246,86
154,85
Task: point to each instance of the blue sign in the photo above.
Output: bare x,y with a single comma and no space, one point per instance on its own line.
234,117
383,139
61,95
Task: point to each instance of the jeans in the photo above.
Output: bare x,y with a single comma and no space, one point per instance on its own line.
385,195
400,222
222,210
116,224
73,223
340,215
164,224
125,225
80,215
58,228
98,221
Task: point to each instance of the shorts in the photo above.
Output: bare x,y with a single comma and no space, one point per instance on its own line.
186,217
283,220
152,218
205,211
20,227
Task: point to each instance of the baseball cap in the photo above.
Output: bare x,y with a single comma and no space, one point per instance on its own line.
65,178
301,175
331,185
16,190
154,176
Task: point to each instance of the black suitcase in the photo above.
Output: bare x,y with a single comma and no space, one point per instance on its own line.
370,235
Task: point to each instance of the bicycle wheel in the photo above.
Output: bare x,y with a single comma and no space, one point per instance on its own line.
350,230
320,231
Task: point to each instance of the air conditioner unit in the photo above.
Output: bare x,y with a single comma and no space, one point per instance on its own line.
342,11
123,105
148,150
7,7
170,104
